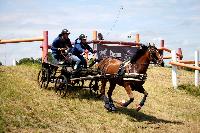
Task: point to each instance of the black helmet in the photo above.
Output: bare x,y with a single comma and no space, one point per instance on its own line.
65,31
82,36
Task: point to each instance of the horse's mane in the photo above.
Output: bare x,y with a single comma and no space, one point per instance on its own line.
139,53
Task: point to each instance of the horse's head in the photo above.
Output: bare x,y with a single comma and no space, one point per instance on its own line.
154,54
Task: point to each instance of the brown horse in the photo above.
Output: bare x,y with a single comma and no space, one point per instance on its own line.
136,67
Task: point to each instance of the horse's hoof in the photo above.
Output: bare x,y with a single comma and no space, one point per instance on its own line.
112,107
138,108
107,106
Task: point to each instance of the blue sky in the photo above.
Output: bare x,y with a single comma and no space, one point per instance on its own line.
175,21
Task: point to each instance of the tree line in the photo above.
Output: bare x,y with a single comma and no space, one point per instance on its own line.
31,60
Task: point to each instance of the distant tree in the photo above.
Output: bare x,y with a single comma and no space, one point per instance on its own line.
50,57
29,61
1,63
38,60
34,61
25,61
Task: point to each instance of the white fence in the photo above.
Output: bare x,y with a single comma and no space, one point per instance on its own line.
175,64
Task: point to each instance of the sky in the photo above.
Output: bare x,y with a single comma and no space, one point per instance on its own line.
175,21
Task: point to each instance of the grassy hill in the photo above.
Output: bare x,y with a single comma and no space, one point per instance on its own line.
24,107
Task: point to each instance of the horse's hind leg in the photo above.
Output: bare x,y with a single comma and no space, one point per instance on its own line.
103,87
109,102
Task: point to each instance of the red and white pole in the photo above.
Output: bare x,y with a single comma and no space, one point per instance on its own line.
45,47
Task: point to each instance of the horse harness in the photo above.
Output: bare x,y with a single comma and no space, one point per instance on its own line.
125,67
124,71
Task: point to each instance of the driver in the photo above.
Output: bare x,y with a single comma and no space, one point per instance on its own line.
60,44
81,46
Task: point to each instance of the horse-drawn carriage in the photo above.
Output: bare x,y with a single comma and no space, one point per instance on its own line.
64,77
130,74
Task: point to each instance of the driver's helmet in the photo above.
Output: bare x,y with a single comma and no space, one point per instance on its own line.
65,31
82,36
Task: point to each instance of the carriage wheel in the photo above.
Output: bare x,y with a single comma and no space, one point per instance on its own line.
43,78
94,87
61,85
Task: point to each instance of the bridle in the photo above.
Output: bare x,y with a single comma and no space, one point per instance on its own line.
153,57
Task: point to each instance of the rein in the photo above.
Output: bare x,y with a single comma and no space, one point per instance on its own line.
127,66
132,69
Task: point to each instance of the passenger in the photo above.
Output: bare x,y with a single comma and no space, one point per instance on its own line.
81,46
60,44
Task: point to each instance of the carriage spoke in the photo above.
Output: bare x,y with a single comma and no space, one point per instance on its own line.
61,85
43,78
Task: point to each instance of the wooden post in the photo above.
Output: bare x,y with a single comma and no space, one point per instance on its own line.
45,47
94,38
161,51
174,70
94,35
197,71
162,45
137,39
180,57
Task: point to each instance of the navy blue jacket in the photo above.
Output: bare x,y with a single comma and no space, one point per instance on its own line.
79,48
60,43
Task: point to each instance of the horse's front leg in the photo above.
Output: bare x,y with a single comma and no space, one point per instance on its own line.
108,101
142,90
130,94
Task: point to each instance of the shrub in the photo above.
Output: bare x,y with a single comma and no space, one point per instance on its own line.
29,61
191,89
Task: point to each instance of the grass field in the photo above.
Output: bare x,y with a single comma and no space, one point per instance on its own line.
24,107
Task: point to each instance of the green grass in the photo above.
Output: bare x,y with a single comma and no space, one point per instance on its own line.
24,107
190,89
2,123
